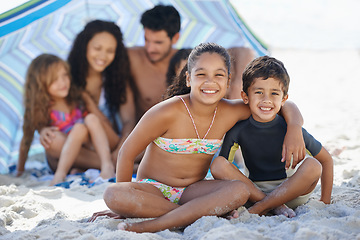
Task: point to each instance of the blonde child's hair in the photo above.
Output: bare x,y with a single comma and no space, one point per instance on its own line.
41,73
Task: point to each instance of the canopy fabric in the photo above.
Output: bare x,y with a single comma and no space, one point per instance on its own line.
41,26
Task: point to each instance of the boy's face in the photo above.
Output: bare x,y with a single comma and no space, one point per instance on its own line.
265,99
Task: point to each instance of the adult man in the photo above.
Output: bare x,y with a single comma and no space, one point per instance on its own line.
149,63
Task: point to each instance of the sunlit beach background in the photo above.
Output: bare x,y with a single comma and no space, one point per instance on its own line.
319,43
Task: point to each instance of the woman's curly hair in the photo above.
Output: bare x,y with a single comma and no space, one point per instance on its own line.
116,75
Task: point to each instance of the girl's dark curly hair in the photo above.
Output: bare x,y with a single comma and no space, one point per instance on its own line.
181,54
178,85
116,75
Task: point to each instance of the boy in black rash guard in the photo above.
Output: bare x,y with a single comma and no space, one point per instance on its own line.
265,87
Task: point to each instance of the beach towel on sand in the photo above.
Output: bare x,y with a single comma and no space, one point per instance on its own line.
89,178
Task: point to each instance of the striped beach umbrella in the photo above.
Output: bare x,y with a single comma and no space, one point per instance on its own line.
50,26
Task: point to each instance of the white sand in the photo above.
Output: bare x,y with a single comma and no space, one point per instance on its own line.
324,85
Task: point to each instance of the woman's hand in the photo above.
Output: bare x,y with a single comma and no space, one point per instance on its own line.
47,135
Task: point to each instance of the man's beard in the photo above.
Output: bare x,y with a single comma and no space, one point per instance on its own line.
165,55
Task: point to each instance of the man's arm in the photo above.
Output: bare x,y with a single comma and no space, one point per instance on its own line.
293,145
240,57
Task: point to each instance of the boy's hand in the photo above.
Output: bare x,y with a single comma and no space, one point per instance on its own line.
293,147
47,135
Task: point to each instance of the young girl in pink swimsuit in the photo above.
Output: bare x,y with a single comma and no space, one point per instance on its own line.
51,100
100,66
181,135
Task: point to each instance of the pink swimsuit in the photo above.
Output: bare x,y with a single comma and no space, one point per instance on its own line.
66,121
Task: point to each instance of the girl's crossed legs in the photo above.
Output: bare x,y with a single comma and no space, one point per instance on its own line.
203,198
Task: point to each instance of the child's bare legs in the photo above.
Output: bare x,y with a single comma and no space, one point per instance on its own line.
101,145
224,170
199,199
86,159
302,182
77,136
130,199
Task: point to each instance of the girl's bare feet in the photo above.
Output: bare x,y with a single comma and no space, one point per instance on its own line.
122,226
57,179
284,210
107,171
74,171
232,215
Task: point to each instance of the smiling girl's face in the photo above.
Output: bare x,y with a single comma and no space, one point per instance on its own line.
209,78
60,86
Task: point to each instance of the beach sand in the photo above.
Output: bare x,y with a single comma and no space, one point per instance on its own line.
323,84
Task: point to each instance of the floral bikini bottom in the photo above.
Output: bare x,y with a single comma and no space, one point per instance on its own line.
173,194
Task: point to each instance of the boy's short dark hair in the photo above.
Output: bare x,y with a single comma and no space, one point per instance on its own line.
162,17
265,67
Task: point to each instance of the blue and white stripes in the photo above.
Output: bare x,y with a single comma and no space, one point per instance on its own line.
50,26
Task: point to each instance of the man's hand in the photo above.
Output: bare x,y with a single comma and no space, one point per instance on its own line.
293,147
47,135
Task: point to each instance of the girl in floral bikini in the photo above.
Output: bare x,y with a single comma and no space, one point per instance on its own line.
50,99
181,135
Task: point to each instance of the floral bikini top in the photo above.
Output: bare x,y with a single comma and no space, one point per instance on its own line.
190,145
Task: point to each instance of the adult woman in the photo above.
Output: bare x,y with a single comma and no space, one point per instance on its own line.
100,66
